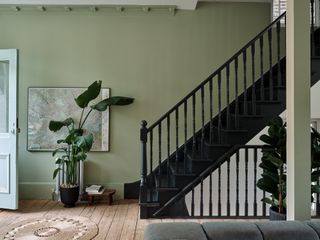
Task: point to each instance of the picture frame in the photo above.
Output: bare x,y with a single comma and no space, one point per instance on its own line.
57,103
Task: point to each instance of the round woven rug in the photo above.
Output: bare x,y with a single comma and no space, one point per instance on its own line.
53,228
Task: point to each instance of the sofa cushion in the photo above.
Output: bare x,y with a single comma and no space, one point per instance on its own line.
286,230
231,231
174,231
315,225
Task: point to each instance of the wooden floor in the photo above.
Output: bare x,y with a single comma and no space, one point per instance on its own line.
119,221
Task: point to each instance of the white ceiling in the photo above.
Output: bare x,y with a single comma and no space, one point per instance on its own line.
181,4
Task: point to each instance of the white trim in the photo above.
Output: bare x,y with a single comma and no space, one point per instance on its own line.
6,157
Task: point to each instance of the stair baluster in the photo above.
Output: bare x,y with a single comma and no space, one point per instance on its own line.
261,69
254,109
236,93
313,47
237,183
185,108
245,96
219,107
177,140
255,160
193,125
168,151
228,187
202,123
211,112
201,197
210,194
279,55
246,204
270,65
228,95
159,152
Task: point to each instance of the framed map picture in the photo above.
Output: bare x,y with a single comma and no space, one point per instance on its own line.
46,104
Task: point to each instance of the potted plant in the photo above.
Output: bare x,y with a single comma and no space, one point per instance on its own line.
274,165
78,142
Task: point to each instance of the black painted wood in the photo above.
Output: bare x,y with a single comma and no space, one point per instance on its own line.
261,69
168,151
185,110
236,66
279,80
253,95
228,96
245,94
177,140
270,65
219,108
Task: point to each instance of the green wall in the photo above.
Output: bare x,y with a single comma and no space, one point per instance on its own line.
154,57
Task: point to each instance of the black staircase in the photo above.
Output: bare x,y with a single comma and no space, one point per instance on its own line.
212,124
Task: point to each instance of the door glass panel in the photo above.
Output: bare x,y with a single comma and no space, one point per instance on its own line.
4,96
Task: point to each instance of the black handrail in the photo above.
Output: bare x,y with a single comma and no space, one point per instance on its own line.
231,59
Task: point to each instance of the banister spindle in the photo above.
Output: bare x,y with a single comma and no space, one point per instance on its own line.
228,186
168,150
261,69
254,110
237,184
143,181
192,202
211,110
279,54
185,111
219,191
177,139
228,95
246,205
210,194
236,92
202,122
313,52
159,153
219,107
193,125
270,65
201,197
255,159
245,106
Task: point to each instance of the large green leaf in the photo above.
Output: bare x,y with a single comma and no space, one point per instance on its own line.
85,142
55,173
118,100
57,125
88,95
268,140
267,184
73,135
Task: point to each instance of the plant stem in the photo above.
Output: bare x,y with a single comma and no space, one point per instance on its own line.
85,119
81,117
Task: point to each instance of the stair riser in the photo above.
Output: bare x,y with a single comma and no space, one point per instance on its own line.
165,196
214,152
229,137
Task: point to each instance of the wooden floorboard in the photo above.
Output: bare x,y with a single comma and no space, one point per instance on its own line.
119,221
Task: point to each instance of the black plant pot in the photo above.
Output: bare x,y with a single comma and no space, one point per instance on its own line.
69,196
274,215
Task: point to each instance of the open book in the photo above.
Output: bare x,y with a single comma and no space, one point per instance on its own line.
94,189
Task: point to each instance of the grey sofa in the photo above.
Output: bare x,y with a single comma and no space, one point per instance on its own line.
264,230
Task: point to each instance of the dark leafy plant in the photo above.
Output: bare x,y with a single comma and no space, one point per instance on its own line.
274,164
75,146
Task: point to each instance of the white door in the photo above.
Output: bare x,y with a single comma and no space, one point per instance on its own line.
8,129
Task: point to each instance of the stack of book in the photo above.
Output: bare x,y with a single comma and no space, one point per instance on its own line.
95,189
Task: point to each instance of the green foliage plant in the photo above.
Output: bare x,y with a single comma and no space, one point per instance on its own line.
274,164
78,142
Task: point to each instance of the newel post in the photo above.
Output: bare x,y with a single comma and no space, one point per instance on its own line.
143,180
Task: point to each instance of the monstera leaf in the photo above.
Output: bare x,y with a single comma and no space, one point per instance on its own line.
57,125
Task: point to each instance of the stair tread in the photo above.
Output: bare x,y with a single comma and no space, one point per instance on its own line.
231,129
262,101
150,204
198,158
181,168
247,115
